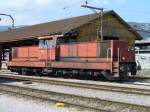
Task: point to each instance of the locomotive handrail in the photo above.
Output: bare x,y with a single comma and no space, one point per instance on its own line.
118,53
108,49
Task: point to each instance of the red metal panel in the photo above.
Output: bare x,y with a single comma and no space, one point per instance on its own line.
72,50
82,50
115,45
92,49
43,54
52,54
82,65
79,59
32,55
68,50
25,59
34,51
118,44
22,52
64,50
47,54
79,50
126,55
29,51
28,64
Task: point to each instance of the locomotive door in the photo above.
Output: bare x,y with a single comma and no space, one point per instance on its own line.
47,49
51,48
104,49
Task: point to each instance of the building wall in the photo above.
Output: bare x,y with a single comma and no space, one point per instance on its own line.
113,29
88,32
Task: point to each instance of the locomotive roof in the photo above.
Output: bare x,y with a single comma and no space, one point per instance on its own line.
62,26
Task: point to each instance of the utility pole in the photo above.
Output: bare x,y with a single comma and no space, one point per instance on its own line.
13,21
100,18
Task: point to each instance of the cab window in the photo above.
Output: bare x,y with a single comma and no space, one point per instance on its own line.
42,44
49,43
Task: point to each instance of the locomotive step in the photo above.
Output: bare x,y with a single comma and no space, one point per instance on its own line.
115,70
115,64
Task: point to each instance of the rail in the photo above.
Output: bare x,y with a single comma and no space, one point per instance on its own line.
122,88
93,103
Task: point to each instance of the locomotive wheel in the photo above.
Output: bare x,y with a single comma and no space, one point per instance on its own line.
122,77
23,71
133,70
124,74
107,75
36,71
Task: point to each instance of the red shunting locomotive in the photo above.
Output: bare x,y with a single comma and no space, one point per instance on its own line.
110,58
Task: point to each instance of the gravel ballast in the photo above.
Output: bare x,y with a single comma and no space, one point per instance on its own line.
16,103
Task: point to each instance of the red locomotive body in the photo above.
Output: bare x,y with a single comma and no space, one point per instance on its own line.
110,58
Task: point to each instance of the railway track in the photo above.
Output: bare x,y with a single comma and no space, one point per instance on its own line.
102,86
95,104
47,96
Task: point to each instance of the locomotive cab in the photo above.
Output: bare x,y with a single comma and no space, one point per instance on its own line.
49,46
